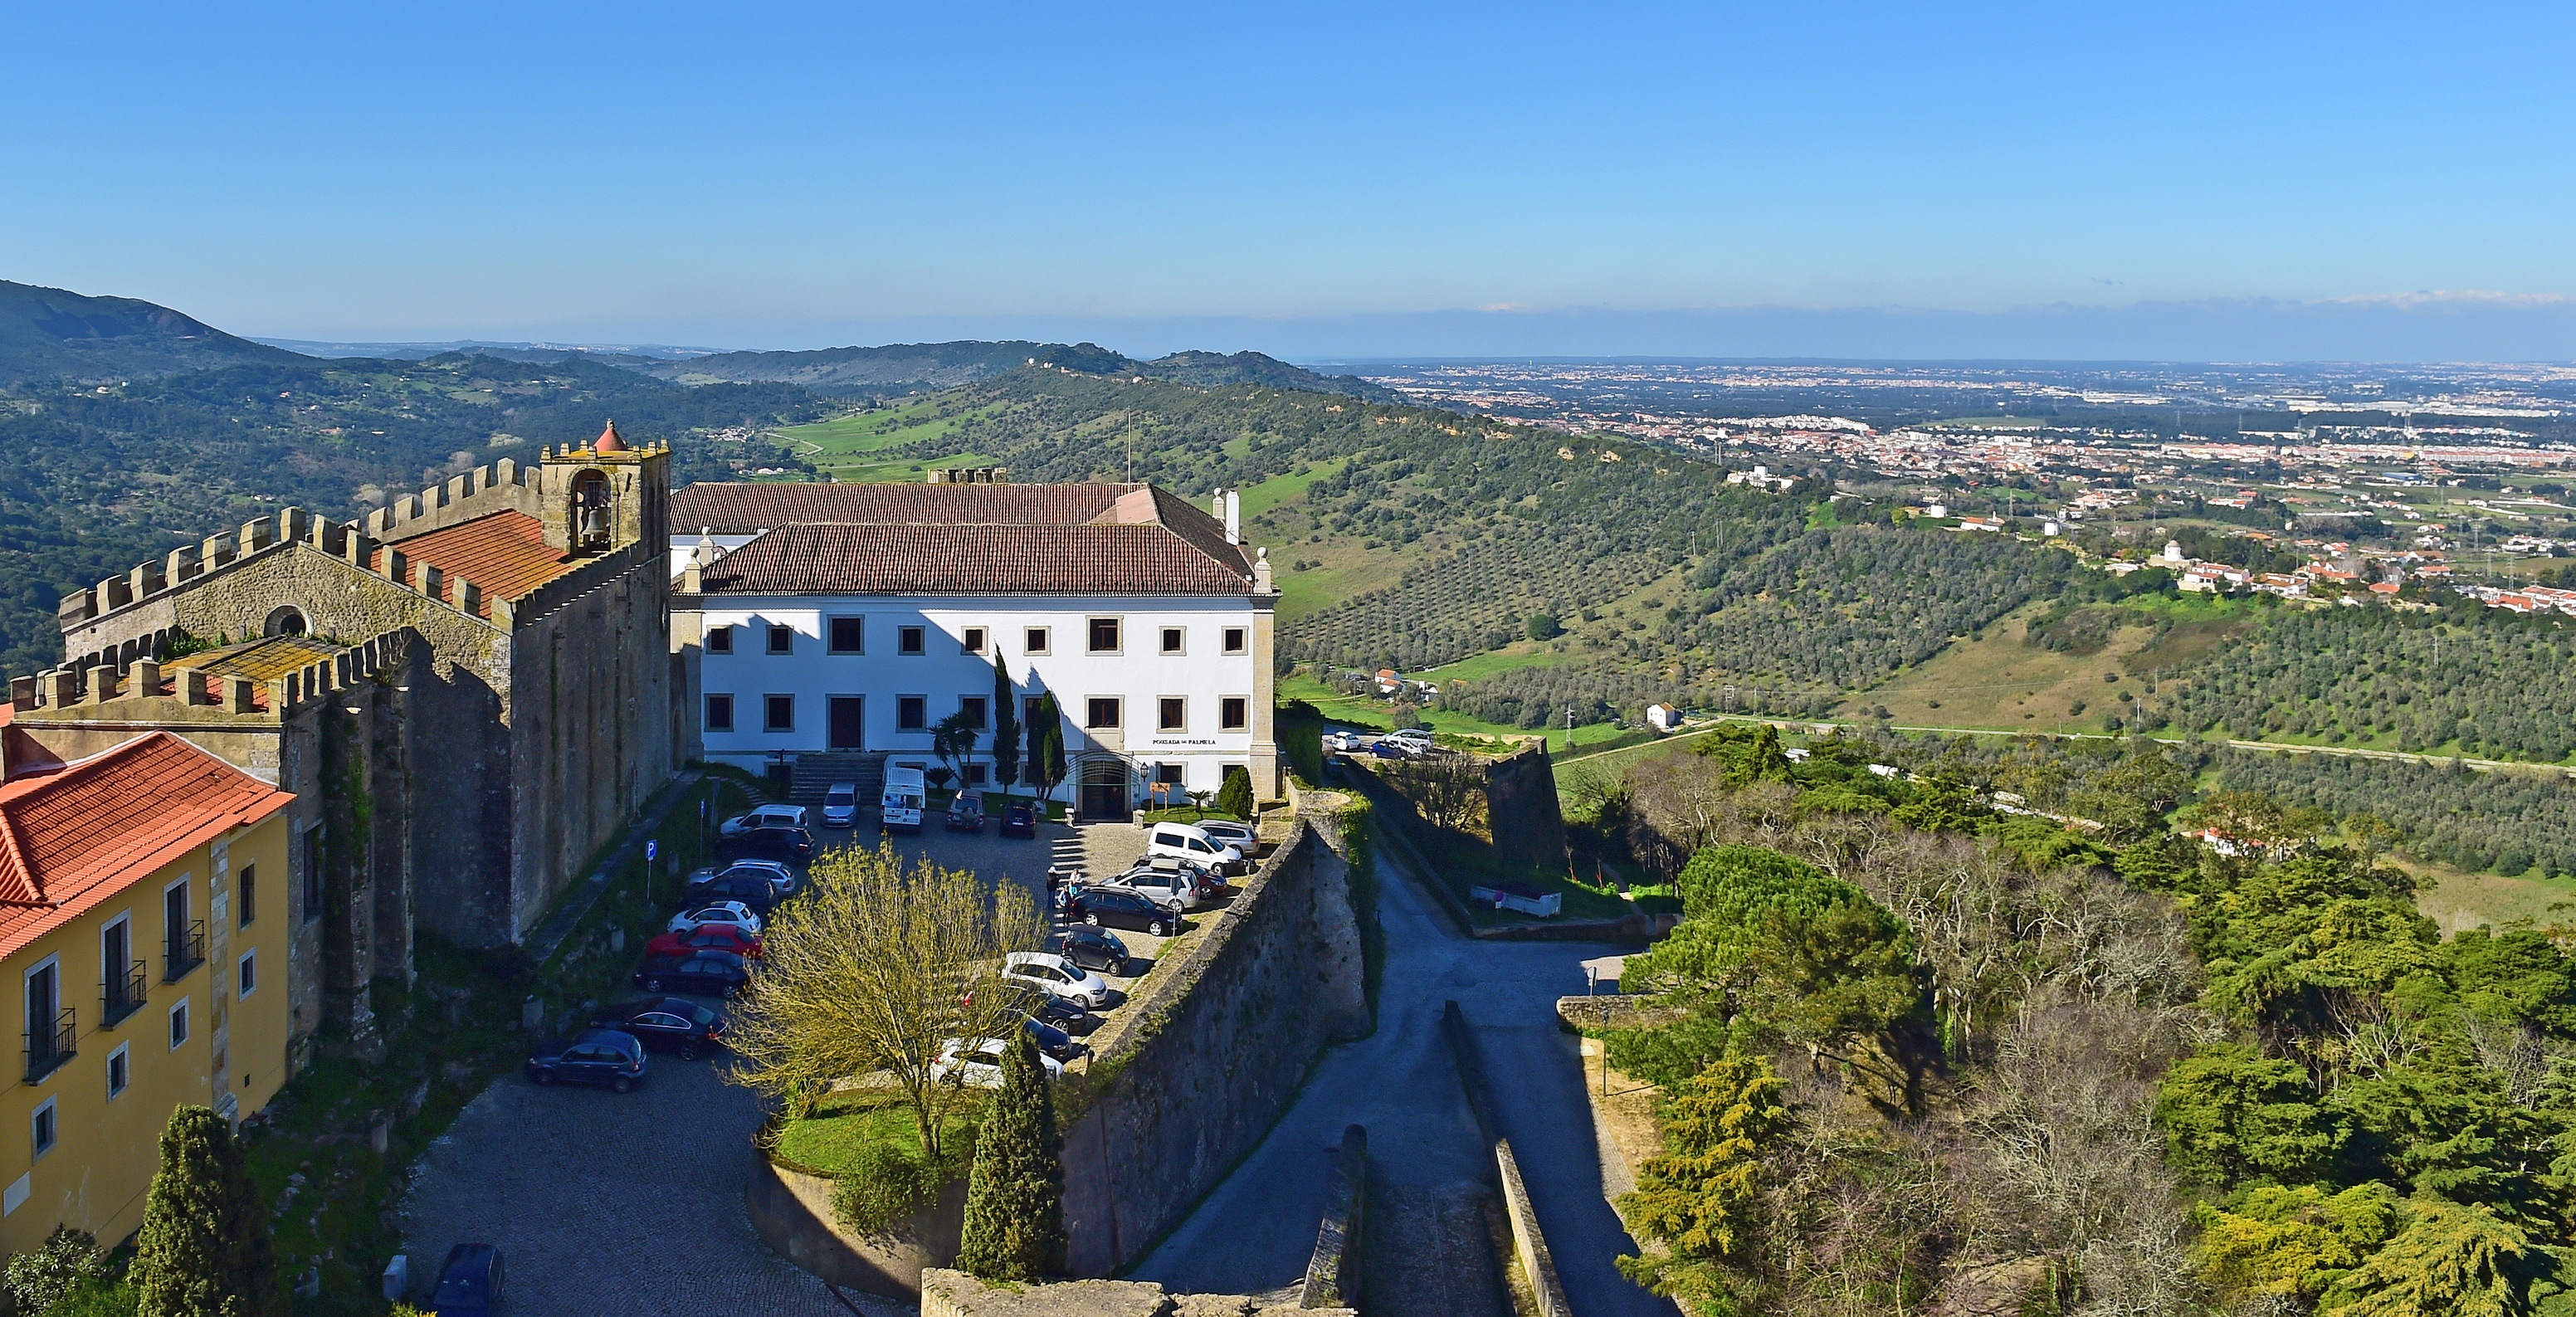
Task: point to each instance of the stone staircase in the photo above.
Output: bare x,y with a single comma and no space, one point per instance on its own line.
815,773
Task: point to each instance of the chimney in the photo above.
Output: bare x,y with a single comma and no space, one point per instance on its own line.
1234,516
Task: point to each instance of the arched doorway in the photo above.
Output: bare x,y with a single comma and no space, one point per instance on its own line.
287,621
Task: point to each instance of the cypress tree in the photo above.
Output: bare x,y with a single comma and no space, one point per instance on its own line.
204,1249
1235,795
1006,726
1014,1226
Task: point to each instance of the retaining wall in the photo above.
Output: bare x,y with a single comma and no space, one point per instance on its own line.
792,1213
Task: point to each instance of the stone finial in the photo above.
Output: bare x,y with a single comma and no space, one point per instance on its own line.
61,687
192,688
146,676
102,683
22,692
239,695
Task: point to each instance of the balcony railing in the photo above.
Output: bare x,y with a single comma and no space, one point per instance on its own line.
48,1049
186,951
123,996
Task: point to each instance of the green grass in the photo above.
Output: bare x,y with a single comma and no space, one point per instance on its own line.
1259,499
828,1142
1363,711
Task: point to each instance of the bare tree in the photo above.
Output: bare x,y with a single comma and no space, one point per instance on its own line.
871,974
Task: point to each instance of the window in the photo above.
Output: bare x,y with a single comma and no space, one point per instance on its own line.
782,639
849,636
977,775
120,972
249,895
911,713
719,713
1234,713
1104,635
911,640
1172,639
118,1073
1234,639
183,936
249,978
719,640
1103,712
47,1047
1173,714
312,873
1031,707
1035,642
778,713
42,1126
973,707
179,1024
971,640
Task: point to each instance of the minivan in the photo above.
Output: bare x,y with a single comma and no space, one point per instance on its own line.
841,805
899,810
1189,842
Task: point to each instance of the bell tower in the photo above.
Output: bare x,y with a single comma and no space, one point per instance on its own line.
606,494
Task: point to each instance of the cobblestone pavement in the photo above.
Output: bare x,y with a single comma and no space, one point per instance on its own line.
606,1203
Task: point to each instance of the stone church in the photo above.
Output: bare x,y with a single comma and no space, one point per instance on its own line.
469,692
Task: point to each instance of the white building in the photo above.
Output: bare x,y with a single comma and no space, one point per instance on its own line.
849,619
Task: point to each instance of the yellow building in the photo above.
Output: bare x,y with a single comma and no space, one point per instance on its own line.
143,934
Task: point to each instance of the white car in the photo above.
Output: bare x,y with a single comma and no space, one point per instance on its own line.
1238,835
1162,882
1055,976
841,805
1187,841
767,816
981,1065
1346,740
1412,738
717,912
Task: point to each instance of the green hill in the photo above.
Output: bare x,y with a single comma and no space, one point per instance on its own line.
48,333
910,367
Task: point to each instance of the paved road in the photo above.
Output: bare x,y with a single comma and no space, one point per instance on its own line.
1428,1166
609,1203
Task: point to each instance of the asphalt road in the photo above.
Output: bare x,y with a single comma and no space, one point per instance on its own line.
1428,1167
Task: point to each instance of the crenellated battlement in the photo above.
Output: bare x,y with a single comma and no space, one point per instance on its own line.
146,690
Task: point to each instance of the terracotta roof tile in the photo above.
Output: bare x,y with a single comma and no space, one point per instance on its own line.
841,559
741,508
74,838
504,554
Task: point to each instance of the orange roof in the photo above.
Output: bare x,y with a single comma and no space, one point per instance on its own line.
73,839
504,554
609,440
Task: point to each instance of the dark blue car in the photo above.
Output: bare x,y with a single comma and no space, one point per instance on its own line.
604,1057
470,1284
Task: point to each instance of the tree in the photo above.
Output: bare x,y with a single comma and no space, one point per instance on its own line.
1046,747
1702,1200
1234,796
68,1261
953,739
880,967
2230,1112
2455,1260
204,1249
1006,727
1543,626
1015,1195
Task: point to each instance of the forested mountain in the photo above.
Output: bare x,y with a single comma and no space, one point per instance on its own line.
907,367
99,479
47,333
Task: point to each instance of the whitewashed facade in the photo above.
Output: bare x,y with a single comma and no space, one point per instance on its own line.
804,638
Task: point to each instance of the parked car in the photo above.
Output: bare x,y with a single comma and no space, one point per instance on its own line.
1346,740
1092,949
767,816
1117,907
665,1022
841,805
966,813
607,1057
708,937
469,1284
1054,975
1019,819
1241,836
979,1065
715,912
1052,1041
1164,883
785,845
1393,750
782,878
1062,1012
703,973
1188,841
751,891
1414,738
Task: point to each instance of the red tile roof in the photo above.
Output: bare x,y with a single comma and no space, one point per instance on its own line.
504,554
837,559
72,839
963,539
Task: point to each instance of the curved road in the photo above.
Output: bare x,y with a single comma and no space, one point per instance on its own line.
1428,1168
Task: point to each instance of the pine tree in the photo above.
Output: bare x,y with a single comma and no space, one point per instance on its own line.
204,1249
1006,727
1014,1227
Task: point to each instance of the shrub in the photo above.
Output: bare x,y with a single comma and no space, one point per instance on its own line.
1235,797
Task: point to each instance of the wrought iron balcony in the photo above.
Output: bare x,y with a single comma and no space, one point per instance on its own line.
123,996
187,950
48,1049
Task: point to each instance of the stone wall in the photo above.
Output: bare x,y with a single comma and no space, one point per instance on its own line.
1210,1060
1521,804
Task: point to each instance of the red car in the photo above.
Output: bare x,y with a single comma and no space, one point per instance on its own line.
706,937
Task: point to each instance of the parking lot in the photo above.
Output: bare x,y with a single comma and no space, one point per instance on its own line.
602,1202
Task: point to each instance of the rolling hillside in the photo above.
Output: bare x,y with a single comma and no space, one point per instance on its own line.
915,367
48,333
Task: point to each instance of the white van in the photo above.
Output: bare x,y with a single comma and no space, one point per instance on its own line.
1189,842
899,810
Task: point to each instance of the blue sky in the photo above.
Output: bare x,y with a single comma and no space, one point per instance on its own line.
2159,180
